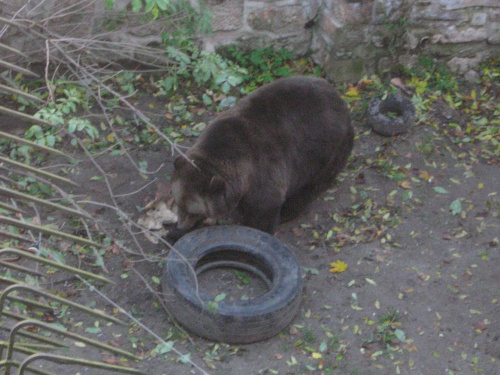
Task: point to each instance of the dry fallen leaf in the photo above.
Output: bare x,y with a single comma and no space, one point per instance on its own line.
352,92
404,184
338,266
155,218
424,175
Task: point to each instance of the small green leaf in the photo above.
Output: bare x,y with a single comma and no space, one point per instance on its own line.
220,297
206,99
150,4
109,4
155,12
51,140
162,4
323,346
456,207
400,335
185,358
440,190
93,330
164,347
136,5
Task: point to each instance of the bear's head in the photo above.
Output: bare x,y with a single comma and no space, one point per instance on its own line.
199,193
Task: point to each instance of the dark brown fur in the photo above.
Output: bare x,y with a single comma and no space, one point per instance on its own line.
267,158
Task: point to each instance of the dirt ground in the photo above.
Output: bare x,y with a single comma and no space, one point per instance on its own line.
420,295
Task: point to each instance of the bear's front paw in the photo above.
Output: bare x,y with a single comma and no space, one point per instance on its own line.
174,235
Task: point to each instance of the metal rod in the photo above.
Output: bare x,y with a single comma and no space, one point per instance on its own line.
75,361
21,93
74,336
11,207
16,194
51,263
18,69
15,236
52,232
24,116
14,138
37,171
17,364
37,337
20,268
13,50
26,287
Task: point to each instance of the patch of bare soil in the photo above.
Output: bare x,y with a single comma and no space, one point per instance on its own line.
414,217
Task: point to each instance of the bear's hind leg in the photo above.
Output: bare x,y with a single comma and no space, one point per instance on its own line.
298,203
264,219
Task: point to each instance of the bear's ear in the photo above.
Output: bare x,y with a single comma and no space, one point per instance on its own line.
179,163
217,185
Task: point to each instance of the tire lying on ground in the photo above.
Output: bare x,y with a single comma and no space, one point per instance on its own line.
392,116
232,322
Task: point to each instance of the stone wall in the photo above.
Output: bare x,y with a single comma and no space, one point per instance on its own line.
348,38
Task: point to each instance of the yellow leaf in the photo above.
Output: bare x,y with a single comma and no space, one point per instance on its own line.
424,175
480,186
404,184
352,91
111,137
366,82
316,355
338,266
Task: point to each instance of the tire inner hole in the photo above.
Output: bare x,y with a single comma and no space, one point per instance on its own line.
391,110
236,274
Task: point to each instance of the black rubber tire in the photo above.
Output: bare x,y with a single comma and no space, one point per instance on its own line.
385,125
232,322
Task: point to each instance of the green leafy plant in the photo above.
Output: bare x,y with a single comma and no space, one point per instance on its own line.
213,306
192,20
57,114
434,75
209,71
387,332
264,65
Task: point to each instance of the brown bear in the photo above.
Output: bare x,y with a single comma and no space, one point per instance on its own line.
264,160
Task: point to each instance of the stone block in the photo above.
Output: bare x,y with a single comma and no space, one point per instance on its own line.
434,12
228,14
298,43
328,25
350,70
468,35
278,20
355,12
478,19
460,4
407,60
384,64
463,64
494,15
495,38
